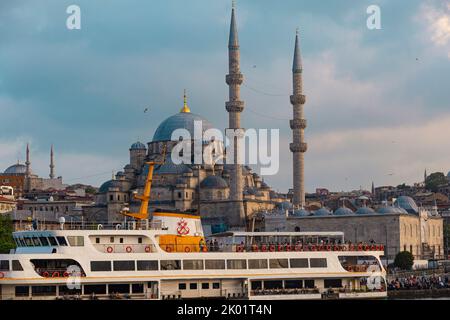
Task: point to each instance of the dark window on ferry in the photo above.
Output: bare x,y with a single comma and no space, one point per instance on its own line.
22,291
44,241
332,283
170,264
216,285
256,285
139,240
61,241
299,263
76,241
257,263
124,265
214,264
205,285
318,262
293,284
65,290
236,264
36,241
43,290
16,266
4,265
29,242
309,284
182,286
100,265
193,286
278,263
273,284
95,288
52,241
193,264
97,240
111,239
119,288
137,288
147,264
121,240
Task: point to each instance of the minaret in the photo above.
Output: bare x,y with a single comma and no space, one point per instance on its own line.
52,164
27,162
298,124
373,189
425,176
234,108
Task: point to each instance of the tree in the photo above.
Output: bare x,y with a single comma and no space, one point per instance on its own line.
404,260
6,229
435,180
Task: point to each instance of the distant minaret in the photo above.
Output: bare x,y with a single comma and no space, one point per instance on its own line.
234,108
425,176
373,189
298,147
27,162
52,164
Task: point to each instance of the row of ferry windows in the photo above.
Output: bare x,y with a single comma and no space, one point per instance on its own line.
74,241
15,264
232,264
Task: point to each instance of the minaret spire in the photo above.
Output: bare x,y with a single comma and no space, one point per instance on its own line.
234,107
52,164
298,147
28,162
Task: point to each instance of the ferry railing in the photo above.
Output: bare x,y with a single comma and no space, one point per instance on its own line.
125,248
129,225
283,291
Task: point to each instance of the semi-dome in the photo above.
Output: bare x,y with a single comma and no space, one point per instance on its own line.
171,168
408,204
343,211
138,146
322,212
182,120
365,210
110,184
17,168
213,182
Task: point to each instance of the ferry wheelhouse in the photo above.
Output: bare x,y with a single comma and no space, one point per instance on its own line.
168,257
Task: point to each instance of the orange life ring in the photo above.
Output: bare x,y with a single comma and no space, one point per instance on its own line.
109,249
129,249
272,248
45,274
187,249
168,249
147,249
55,274
65,274
328,248
263,248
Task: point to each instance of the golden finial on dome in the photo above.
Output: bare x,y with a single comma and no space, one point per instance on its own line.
185,106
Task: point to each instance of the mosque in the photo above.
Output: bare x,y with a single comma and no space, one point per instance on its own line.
23,180
226,195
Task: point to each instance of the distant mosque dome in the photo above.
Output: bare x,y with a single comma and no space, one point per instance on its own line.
301,213
408,204
111,184
391,209
17,168
343,211
138,146
185,119
322,212
213,182
365,210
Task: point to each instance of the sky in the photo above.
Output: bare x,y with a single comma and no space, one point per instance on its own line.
378,101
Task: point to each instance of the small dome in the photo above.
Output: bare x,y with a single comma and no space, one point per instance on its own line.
110,184
391,209
171,168
284,205
343,211
213,182
408,204
138,146
322,212
301,213
17,168
182,120
365,210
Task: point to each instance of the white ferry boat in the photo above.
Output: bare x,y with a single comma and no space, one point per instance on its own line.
169,258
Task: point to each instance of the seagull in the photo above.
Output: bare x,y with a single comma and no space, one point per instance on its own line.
254,66
145,110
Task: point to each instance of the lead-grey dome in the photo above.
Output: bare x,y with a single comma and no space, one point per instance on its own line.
111,184
138,146
213,182
408,204
171,168
365,210
17,168
322,212
301,213
182,120
343,211
391,209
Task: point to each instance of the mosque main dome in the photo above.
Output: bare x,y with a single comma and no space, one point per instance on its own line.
17,168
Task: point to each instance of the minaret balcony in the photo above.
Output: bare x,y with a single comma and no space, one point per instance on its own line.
234,106
298,99
235,78
298,147
297,124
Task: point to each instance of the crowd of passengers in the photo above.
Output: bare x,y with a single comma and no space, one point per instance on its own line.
214,246
420,282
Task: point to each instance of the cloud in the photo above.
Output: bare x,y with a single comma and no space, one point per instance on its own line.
437,17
